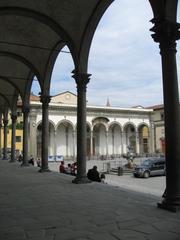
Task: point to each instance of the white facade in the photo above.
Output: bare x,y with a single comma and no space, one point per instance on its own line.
110,130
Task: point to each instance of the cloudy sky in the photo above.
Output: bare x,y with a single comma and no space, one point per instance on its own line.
124,61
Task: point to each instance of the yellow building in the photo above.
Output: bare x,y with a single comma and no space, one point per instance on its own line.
19,139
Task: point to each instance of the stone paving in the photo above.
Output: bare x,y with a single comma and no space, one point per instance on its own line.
47,206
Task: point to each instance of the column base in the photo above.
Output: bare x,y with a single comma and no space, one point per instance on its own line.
81,180
168,206
24,164
12,161
44,170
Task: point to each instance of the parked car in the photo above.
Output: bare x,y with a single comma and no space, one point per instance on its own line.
59,158
150,167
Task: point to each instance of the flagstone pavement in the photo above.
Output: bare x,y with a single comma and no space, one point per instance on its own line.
47,206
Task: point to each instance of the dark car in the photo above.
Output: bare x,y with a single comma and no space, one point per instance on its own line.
151,167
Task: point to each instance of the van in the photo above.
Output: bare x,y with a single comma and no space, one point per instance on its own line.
151,167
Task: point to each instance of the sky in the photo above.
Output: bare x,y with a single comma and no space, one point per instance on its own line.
124,60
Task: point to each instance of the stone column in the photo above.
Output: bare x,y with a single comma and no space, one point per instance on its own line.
0,140
25,136
124,145
5,122
113,142
151,138
13,138
74,154
137,143
33,136
91,144
166,33
55,142
107,152
45,133
82,80
67,140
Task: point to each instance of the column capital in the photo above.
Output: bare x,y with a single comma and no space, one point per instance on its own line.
82,79
5,122
13,118
25,110
166,33
45,100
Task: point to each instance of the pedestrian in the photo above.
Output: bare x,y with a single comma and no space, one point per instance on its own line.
68,169
74,168
38,162
102,177
62,167
31,161
20,158
93,174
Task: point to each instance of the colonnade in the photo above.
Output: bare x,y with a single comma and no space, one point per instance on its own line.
103,142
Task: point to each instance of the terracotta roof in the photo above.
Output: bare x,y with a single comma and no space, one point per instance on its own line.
156,107
34,98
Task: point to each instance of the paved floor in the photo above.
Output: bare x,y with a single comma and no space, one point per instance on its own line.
36,206
152,185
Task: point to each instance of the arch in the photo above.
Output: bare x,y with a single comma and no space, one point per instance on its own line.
65,139
25,62
115,123
100,139
143,138
65,121
164,9
12,83
142,124
129,124
115,139
6,99
40,123
89,31
51,62
43,19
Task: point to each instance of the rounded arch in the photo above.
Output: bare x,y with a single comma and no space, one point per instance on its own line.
115,139
25,62
6,100
98,124
12,83
39,123
129,130
19,11
143,132
65,121
116,124
65,139
127,124
88,34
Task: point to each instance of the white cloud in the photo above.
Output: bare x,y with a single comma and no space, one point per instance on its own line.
124,60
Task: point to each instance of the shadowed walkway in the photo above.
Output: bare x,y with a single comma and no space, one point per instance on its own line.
47,206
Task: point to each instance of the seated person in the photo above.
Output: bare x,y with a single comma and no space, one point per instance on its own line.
93,174
68,169
62,167
74,168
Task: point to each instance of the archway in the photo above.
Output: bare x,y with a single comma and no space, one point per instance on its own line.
64,140
130,138
51,144
100,140
115,140
143,135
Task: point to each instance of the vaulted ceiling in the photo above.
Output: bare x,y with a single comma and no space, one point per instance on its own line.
32,35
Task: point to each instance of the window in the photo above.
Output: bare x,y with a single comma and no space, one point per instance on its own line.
18,138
